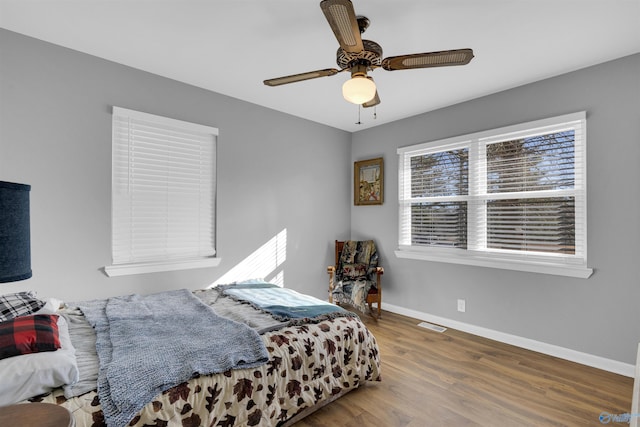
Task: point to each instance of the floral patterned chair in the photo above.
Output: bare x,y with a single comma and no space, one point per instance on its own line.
355,278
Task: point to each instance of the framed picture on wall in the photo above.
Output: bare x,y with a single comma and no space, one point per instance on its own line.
368,182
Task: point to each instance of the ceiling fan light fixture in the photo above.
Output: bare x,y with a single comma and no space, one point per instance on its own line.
359,89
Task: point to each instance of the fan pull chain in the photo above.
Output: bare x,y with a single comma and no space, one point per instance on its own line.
375,113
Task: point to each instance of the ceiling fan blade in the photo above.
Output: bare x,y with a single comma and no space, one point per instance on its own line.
445,58
300,77
375,101
342,19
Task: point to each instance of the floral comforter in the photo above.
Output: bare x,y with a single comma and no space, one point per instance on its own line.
308,366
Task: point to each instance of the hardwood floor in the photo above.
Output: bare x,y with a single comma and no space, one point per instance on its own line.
457,379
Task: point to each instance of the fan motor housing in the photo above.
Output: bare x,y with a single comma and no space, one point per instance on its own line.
371,54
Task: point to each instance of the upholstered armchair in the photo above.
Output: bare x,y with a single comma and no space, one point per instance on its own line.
355,277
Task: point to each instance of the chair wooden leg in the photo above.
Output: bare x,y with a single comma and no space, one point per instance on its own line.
371,312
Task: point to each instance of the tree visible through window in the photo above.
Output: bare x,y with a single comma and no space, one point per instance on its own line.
538,224
441,174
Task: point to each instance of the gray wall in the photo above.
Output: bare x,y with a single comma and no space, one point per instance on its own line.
55,134
599,315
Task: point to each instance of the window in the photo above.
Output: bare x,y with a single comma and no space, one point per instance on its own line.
511,198
163,194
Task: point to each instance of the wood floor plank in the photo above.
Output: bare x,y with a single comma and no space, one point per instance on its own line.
457,379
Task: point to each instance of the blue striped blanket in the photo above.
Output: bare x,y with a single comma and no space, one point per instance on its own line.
148,344
285,305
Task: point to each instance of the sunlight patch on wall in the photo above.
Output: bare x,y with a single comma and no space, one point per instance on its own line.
278,279
263,263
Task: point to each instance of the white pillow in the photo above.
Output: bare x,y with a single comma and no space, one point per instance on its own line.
51,306
33,374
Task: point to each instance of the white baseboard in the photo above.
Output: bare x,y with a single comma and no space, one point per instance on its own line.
614,366
635,400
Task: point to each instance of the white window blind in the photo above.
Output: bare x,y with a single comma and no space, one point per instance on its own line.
439,186
510,198
163,192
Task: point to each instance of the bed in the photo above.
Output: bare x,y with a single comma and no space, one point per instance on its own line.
314,353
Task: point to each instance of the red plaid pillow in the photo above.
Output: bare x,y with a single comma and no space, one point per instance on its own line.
29,334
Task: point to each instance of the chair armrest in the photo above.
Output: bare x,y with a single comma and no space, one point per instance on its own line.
331,269
379,273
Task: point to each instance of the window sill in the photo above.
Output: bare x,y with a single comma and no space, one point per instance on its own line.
153,267
557,269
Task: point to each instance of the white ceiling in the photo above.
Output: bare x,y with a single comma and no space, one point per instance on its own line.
231,46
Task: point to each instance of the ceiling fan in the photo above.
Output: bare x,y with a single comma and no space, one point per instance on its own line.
360,56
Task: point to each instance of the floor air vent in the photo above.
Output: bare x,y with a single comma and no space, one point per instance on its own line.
432,326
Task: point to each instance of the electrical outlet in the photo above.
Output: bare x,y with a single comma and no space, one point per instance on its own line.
462,305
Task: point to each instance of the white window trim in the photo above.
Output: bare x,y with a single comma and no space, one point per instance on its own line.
520,262
154,267
505,264
121,269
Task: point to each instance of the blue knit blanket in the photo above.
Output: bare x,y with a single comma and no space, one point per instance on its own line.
148,344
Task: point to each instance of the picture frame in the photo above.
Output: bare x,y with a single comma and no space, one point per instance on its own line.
368,182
